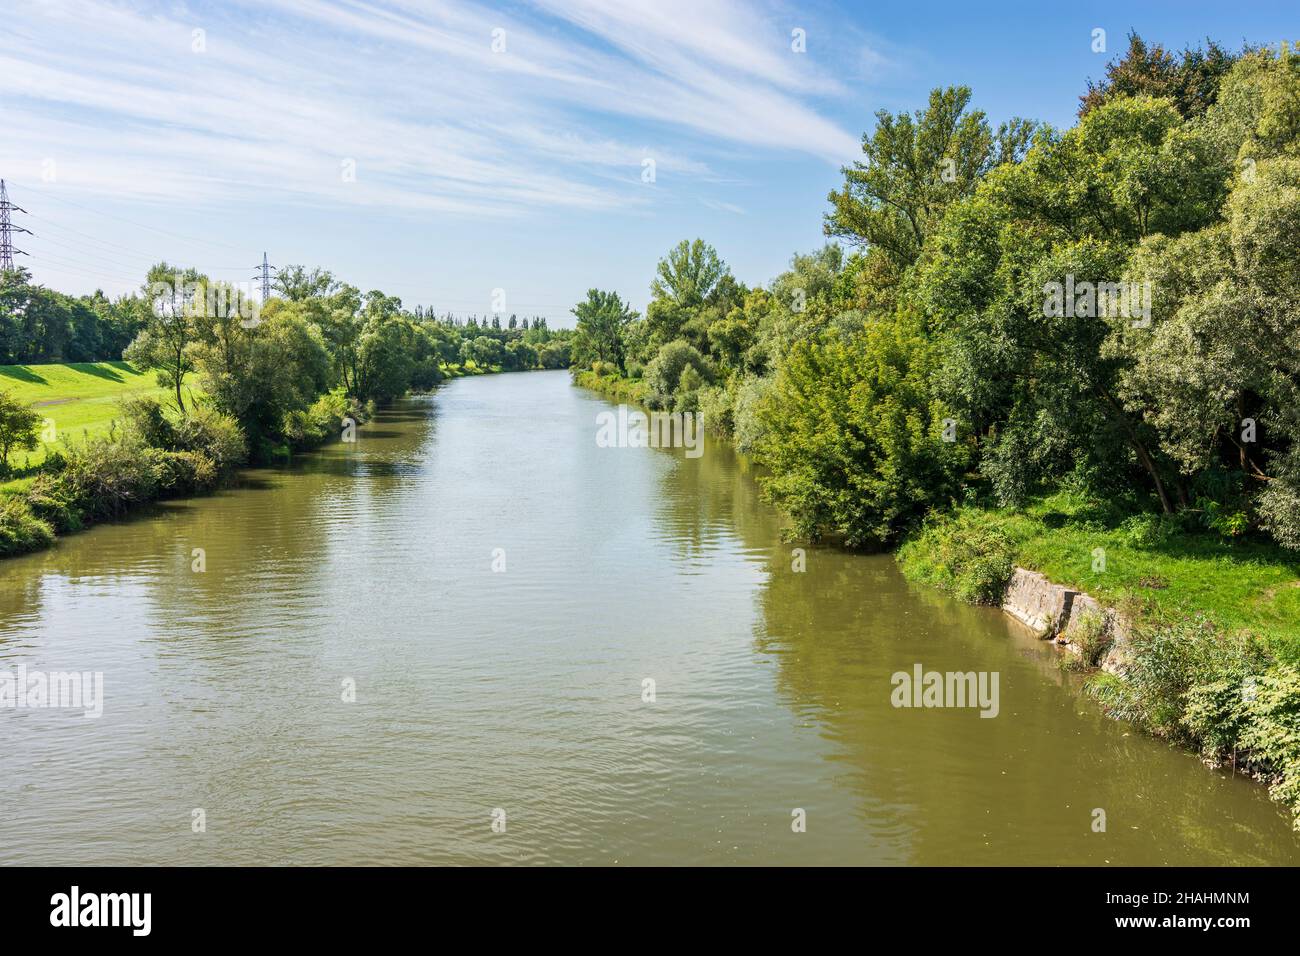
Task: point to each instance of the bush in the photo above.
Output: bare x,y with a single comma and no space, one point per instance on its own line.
663,375
717,404
604,369
1256,720
206,431
105,479
146,418
961,555
179,473
853,435
1089,638
20,529
51,501
747,426
688,390
1165,662
216,435
1272,734
1148,530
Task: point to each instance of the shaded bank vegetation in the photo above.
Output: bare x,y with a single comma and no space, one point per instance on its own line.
245,383
1072,349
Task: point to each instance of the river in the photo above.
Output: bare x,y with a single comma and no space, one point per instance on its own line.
432,647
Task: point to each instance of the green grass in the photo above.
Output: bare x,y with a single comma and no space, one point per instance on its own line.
468,368
1152,568
618,387
81,399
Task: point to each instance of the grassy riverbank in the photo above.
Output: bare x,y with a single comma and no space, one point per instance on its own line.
614,386
1212,660
1145,565
120,446
81,399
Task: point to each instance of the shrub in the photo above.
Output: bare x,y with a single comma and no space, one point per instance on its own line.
1147,530
1088,636
1256,719
717,404
747,425
663,375
853,435
183,472
688,390
216,435
20,529
51,501
1165,661
104,479
206,431
962,555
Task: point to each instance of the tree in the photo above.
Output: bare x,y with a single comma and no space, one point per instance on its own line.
163,344
1191,83
18,428
916,166
602,319
1216,374
689,275
669,370
853,438
296,284
259,373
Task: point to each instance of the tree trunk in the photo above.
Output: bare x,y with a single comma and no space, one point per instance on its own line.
1141,450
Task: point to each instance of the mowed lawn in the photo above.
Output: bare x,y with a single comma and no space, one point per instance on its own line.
81,399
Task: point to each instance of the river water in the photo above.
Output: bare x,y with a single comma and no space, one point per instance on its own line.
494,590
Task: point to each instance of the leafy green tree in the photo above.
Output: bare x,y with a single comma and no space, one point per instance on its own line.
297,284
664,375
915,166
1215,375
258,373
852,437
1191,81
689,275
603,317
554,355
19,428
163,344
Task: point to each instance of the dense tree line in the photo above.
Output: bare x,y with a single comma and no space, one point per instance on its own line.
38,325
247,381
266,365
1110,307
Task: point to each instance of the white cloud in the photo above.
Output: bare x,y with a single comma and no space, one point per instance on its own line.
285,90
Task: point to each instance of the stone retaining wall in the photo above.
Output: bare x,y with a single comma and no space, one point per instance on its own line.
1055,612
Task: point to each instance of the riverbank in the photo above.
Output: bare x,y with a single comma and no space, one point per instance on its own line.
106,475
1193,637
147,456
77,400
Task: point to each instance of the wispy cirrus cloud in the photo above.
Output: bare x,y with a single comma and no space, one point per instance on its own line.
452,107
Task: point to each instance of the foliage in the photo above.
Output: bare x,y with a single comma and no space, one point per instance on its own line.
852,435
915,166
19,427
602,319
21,530
1190,81
964,554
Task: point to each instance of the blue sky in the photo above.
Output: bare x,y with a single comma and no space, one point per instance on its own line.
130,137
